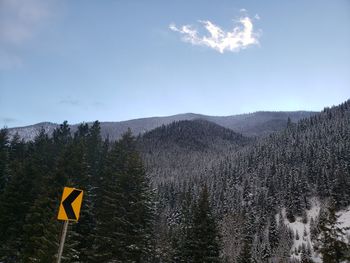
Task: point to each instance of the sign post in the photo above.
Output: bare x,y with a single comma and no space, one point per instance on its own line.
69,211
63,238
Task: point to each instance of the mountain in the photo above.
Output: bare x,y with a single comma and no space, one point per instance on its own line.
198,134
272,194
252,124
259,123
183,150
278,198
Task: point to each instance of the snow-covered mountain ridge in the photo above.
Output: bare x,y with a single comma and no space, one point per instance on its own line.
252,124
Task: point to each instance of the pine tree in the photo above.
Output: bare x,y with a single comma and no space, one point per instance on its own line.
125,215
245,255
206,238
183,238
14,205
273,233
62,136
332,245
87,155
305,256
27,166
4,159
41,228
285,237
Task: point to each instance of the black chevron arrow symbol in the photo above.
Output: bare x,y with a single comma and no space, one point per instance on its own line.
67,204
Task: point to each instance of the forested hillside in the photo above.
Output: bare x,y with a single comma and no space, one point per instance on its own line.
260,189
183,150
252,124
190,191
117,215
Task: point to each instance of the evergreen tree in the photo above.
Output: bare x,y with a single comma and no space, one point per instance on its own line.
273,233
62,135
206,242
282,169
332,245
125,215
183,238
305,256
14,205
4,159
245,255
41,228
85,163
29,163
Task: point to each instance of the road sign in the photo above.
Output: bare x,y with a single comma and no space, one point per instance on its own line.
69,211
70,204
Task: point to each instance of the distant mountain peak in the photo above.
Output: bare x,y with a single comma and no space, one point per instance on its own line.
252,124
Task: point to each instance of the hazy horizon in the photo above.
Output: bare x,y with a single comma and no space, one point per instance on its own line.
158,116
113,61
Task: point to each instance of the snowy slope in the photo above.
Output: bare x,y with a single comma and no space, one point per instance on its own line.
302,230
344,220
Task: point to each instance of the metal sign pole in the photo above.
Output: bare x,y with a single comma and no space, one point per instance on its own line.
69,210
63,238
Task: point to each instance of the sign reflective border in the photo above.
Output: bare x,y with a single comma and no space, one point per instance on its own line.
70,204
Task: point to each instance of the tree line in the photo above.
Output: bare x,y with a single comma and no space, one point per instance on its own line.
187,192
117,222
254,186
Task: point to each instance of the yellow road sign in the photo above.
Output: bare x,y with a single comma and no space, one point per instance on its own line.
70,204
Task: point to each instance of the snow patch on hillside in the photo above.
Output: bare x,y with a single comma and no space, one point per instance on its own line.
344,221
30,132
301,230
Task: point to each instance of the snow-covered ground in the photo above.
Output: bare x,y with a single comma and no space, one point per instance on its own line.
302,231
344,220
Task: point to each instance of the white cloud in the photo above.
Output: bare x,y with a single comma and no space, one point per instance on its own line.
19,21
240,37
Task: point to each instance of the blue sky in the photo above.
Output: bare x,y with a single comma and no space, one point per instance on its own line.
115,60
